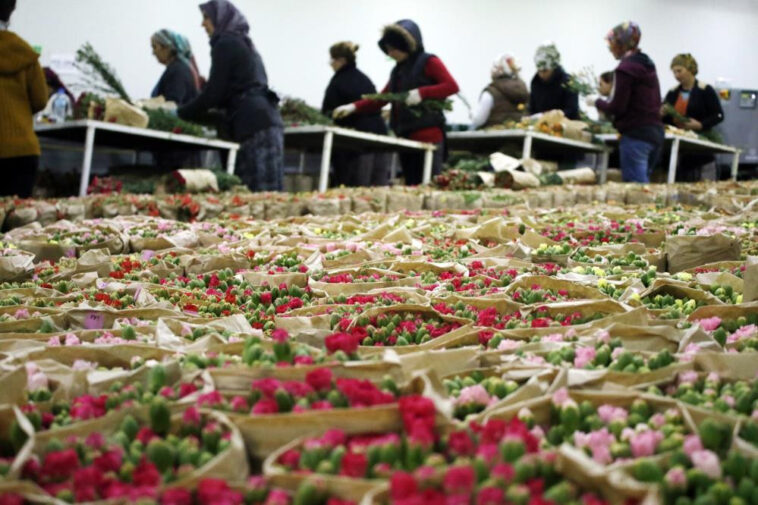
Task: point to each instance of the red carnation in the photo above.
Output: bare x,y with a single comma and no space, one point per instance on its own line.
354,465
60,465
265,406
320,379
145,435
341,342
146,474
266,297
176,496
490,496
459,480
402,486
460,444
109,461
290,459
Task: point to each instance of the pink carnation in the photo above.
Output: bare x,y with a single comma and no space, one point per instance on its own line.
560,397
609,413
583,356
645,443
473,394
707,462
710,323
692,445
687,377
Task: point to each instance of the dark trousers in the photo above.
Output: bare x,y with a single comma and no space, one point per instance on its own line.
19,175
355,169
413,164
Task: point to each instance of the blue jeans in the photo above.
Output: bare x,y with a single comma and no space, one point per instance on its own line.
638,158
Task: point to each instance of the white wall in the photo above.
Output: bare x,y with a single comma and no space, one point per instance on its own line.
294,35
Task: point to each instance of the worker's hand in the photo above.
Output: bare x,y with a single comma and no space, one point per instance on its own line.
343,111
590,101
693,124
414,98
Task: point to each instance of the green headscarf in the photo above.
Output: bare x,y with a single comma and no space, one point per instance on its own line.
180,45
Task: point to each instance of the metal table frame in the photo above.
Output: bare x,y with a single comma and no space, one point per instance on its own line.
680,141
91,126
529,137
376,141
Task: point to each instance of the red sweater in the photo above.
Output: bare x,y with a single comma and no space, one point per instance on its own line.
445,87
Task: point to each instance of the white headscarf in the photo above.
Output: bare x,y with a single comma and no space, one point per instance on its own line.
504,66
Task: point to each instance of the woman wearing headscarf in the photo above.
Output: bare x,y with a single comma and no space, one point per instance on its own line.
700,104
548,89
505,98
422,76
238,85
348,84
180,82
634,104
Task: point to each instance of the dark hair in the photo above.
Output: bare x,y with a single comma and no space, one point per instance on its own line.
6,9
607,77
345,50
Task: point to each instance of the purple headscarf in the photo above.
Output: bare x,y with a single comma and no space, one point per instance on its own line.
227,18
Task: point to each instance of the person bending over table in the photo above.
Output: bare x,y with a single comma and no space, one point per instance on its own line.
348,84
423,76
506,97
239,86
180,83
634,104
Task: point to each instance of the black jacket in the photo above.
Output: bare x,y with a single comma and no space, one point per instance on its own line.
704,104
553,94
238,85
176,84
348,85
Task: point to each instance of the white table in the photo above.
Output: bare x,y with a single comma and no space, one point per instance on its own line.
322,137
127,137
490,141
686,145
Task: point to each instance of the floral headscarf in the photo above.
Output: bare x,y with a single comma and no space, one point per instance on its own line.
504,66
547,57
626,35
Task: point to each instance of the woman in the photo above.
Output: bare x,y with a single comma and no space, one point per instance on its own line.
700,104
548,89
634,104
238,85
348,84
422,76
505,98
23,93
180,82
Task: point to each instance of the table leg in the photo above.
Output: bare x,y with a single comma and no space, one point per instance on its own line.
231,161
735,165
526,153
301,167
326,158
393,167
427,175
673,161
603,167
89,147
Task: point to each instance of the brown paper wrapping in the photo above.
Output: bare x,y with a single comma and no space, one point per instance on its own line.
686,251
751,279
